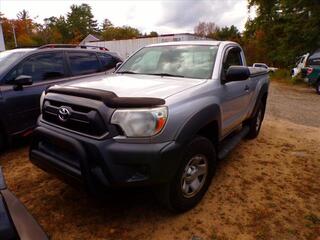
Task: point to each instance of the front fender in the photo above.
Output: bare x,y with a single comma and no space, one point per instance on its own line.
197,121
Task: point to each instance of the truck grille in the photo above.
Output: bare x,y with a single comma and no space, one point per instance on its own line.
77,118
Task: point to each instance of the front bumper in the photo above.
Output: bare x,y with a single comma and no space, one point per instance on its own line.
104,163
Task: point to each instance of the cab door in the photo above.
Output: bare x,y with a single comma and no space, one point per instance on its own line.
21,106
235,96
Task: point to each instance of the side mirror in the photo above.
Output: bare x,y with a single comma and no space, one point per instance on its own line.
118,65
21,81
237,73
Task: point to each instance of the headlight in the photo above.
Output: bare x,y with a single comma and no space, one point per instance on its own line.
140,122
41,100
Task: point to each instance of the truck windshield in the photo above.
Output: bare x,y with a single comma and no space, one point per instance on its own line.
190,61
9,57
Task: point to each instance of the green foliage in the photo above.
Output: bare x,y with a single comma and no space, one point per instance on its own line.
153,34
227,33
78,23
118,33
211,30
284,75
106,24
56,30
282,30
281,74
287,29
81,22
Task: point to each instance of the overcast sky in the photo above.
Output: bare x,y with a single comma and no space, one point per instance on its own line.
163,16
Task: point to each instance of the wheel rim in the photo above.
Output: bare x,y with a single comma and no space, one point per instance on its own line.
194,175
259,120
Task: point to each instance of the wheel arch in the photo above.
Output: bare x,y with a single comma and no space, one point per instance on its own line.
206,122
262,97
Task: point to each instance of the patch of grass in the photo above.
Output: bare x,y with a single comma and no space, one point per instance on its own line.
293,232
314,219
284,76
281,75
215,236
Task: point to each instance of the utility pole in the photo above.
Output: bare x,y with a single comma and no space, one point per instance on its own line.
14,36
2,45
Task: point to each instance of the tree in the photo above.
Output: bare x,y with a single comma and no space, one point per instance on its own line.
153,34
118,33
71,29
206,29
23,15
56,30
81,22
1,16
227,33
106,24
286,28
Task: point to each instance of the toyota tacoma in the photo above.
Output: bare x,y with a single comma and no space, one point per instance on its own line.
162,119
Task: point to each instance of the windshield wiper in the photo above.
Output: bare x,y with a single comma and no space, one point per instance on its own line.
164,75
127,72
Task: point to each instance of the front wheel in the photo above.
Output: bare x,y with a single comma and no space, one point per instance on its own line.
193,178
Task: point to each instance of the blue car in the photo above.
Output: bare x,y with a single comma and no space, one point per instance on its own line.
26,73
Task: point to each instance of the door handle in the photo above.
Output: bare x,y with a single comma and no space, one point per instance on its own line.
247,88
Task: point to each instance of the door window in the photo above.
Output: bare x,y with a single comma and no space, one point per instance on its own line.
107,61
233,58
83,63
46,66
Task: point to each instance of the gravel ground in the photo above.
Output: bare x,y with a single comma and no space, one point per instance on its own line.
267,188
300,105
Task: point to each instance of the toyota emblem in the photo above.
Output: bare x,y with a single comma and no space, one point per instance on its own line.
64,114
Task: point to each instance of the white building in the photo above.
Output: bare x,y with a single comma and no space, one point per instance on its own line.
2,45
88,39
126,47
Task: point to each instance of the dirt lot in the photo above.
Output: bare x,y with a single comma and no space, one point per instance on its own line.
266,189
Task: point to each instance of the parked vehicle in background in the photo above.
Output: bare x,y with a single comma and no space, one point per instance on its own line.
265,66
300,64
311,73
26,73
162,119
15,221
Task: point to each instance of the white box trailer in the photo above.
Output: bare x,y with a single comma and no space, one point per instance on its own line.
126,47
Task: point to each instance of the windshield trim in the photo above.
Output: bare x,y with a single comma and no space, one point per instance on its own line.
174,45
8,68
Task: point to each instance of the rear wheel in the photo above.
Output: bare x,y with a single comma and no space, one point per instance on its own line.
193,178
256,122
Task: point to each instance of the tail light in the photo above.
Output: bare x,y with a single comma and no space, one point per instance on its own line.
309,71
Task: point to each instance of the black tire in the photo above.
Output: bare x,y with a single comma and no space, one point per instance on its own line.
256,122
318,87
176,194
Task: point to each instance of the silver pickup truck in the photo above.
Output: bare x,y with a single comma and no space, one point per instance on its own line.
162,119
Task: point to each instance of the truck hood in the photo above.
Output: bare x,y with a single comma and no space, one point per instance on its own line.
125,85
